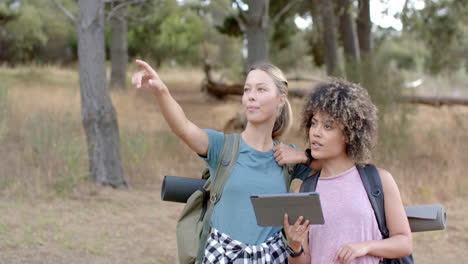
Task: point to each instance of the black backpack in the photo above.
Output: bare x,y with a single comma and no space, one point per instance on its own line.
371,180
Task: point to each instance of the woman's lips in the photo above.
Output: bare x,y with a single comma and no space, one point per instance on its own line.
315,145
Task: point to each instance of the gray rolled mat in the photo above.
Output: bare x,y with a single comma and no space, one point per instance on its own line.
421,217
178,189
426,217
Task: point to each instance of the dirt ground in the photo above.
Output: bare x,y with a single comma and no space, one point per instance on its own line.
135,226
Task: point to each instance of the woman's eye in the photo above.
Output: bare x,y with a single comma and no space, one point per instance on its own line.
246,89
328,127
312,123
261,89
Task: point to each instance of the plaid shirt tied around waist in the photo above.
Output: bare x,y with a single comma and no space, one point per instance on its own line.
221,249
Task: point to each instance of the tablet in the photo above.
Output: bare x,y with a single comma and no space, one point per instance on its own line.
270,208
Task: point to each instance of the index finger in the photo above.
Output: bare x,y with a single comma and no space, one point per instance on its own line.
337,254
276,153
286,221
146,66
276,147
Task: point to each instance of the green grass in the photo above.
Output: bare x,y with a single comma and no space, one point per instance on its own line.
4,229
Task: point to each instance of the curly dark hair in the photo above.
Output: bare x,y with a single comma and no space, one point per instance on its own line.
350,105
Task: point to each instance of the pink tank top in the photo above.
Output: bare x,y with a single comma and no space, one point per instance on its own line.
348,215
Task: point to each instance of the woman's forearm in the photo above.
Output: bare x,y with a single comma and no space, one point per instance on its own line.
394,247
172,112
192,135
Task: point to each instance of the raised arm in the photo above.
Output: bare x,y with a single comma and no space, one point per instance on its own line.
285,154
192,135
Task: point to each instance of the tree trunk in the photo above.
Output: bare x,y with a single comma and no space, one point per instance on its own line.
257,31
119,54
348,36
257,45
329,37
99,117
364,26
317,36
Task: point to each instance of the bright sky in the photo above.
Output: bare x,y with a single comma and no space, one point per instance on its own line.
377,9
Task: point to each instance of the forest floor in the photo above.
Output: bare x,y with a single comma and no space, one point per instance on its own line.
135,226
46,217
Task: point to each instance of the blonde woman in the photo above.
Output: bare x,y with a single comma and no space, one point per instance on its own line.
235,236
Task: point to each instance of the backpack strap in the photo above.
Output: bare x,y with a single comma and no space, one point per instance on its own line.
372,183
226,161
310,183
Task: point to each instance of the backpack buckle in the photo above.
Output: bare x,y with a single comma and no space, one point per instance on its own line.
376,192
213,197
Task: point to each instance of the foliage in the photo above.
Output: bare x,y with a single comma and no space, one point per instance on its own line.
36,33
294,55
433,39
172,34
222,51
181,36
230,27
7,12
404,52
442,26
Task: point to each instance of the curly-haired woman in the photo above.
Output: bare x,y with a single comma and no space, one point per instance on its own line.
340,122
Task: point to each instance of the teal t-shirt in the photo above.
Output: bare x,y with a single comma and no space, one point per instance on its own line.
255,172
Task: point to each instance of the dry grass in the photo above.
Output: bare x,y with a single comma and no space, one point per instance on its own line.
431,164
49,213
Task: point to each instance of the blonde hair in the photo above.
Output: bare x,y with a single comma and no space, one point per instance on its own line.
284,120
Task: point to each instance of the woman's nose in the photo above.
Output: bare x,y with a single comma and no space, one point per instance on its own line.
252,96
316,131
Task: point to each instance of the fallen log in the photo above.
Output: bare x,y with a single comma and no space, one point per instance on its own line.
435,100
220,90
216,88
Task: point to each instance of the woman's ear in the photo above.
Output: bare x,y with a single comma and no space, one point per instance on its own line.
345,138
282,101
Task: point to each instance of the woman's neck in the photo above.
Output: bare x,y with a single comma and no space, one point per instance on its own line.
335,166
258,136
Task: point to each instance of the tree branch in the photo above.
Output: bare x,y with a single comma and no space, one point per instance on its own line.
136,21
64,10
242,16
119,6
266,15
285,9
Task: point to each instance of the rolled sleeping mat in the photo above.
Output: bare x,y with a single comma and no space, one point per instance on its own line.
178,189
421,217
426,217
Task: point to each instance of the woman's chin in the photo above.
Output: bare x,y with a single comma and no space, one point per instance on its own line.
254,119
